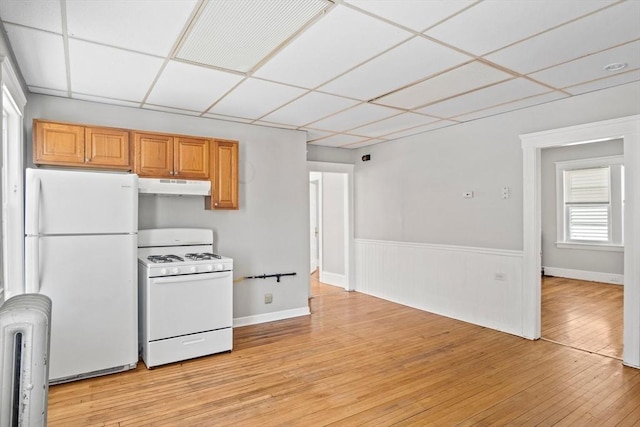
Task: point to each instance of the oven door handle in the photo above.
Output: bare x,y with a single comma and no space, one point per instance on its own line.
191,277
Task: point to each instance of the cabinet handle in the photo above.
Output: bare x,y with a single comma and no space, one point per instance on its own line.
87,160
170,172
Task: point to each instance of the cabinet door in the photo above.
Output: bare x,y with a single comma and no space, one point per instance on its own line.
154,155
107,147
58,143
224,175
191,158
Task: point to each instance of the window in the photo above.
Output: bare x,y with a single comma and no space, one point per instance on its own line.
590,202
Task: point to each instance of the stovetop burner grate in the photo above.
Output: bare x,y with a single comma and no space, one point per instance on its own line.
202,256
161,259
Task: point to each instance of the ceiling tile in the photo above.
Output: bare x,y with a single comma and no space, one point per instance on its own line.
523,103
274,125
614,80
365,143
171,110
104,100
420,129
109,72
313,134
237,35
338,140
134,24
309,108
227,118
415,14
44,15
339,41
394,124
590,67
412,61
355,117
615,25
494,24
462,79
40,56
190,86
484,98
254,98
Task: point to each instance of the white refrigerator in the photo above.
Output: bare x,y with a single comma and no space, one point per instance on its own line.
81,251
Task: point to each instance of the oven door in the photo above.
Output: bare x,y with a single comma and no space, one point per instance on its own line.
181,305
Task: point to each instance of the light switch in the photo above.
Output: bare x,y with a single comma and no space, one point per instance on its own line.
468,194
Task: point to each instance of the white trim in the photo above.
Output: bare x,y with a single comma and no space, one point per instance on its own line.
333,279
349,251
452,248
591,276
590,246
628,129
270,317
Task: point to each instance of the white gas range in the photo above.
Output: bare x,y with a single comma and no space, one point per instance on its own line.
185,295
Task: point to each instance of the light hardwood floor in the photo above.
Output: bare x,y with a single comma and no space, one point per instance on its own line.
319,288
581,314
359,360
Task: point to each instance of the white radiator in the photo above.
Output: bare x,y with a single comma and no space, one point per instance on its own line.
24,348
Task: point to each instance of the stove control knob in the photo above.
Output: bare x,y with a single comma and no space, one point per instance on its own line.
175,270
219,267
209,267
163,271
193,269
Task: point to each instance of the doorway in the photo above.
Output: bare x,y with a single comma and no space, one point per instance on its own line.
331,211
628,129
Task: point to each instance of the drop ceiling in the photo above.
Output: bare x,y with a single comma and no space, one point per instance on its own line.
350,73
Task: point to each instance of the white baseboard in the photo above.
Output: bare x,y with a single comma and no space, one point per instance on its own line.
270,317
333,279
591,276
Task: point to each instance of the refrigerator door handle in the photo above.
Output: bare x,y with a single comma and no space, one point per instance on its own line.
32,273
32,282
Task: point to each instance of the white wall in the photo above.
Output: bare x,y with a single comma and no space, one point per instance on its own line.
318,153
411,193
573,259
270,232
333,224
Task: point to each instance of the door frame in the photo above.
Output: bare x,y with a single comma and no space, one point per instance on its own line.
318,184
349,251
627,129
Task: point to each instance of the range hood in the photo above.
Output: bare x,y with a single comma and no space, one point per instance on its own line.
174,187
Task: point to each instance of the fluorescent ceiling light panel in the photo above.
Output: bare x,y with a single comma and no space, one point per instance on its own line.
254,98
341,40
139,25
613,26
463,79
44,15
190,86
415,14
419,59
40,56
493,24
309,108
238,34
485,98
109,72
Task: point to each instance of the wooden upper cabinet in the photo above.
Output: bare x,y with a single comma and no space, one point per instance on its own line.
171,156
107,147
57,143
191,157
154,154
224,176
77,145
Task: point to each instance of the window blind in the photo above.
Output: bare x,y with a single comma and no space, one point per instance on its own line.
587,208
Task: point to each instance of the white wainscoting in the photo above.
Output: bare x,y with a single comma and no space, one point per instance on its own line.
592,276
477,285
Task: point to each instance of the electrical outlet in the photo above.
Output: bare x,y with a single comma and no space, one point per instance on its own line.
499,276
615,280
467,195
268,298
